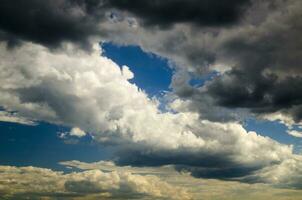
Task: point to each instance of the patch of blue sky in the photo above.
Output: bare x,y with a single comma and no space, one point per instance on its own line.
296,127
41,146
274,130
201,80
151,72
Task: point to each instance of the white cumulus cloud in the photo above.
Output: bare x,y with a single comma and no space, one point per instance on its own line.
77,132
93,94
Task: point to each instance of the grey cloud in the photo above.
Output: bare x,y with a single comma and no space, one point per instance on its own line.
52,22
266,75
259,64
49,22
165,13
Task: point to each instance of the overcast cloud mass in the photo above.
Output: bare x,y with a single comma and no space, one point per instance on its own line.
53,70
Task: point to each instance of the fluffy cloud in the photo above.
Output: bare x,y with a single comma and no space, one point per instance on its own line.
284,175
287,174
92,93
258,59
201,188
295,133
33,182
86,91
77,132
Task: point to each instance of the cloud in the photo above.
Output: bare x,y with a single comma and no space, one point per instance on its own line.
257,59
265,76
204,13
161,171
261,74
14,118
104,180
26,182
201,188
295,133
77,132
283,175
50,22
88,91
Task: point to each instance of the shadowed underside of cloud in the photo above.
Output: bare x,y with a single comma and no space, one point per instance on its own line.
56,21
165,13
49,22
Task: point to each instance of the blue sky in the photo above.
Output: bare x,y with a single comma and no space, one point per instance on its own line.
274,130
151,72
40,145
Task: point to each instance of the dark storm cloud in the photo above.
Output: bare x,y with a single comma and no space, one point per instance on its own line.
49,22
11,41
267,74
52,22
261,94
263,61
201,12
224,173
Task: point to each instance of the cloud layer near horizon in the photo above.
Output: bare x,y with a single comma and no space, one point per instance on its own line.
35,183
105,180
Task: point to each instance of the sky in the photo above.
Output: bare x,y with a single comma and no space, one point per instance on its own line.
145,99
